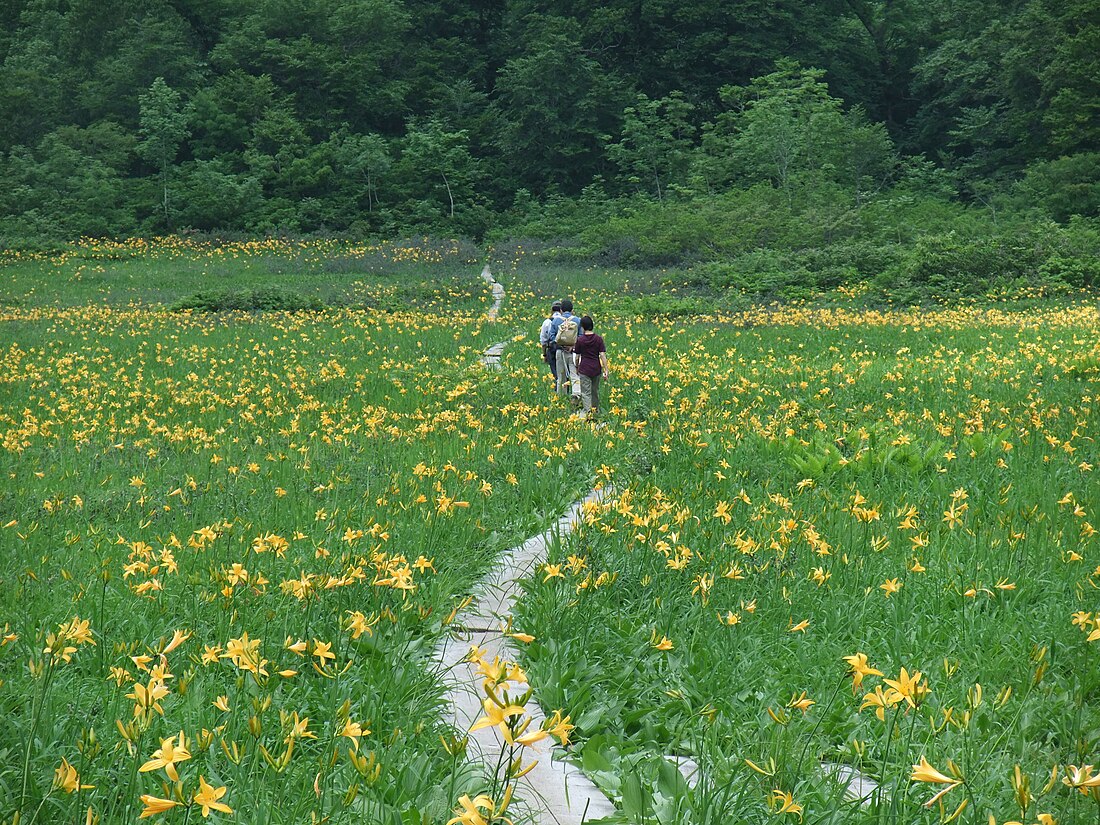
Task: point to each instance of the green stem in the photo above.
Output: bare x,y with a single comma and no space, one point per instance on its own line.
47,679
820,720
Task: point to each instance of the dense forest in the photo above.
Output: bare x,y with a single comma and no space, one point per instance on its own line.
614,122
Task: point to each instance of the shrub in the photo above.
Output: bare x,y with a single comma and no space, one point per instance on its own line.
260,299
1081,273
946,265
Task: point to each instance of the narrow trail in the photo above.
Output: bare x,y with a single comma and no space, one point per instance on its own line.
554,792
492,355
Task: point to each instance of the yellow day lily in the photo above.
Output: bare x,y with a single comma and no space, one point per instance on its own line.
167,755
558,726
908,687
67,779
801,702
469,811
1081,778
880,701
207,797
860,668
664,643
924,772
784,803
496,716
155,805
353,731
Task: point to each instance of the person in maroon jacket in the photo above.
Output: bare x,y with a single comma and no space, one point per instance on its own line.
590,356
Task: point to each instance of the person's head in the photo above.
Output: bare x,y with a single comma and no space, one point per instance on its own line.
586,323
555,307
566,304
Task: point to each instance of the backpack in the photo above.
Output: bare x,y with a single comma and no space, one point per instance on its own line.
555,325
567,333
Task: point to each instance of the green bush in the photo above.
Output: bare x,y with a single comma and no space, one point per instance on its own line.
1064,187
949,265
1081,273
260,299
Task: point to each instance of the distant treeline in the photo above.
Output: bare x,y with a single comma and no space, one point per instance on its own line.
381,117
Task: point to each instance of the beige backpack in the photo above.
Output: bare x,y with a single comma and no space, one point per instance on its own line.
567,333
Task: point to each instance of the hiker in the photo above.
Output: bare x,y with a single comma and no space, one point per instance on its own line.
564,331
549,348
590,355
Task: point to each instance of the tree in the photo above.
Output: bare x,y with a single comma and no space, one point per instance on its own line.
73,183
556,104
164,126
1071,80
362,161
785,128
656,143
436,161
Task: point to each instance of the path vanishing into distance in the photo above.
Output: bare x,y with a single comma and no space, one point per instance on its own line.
555,792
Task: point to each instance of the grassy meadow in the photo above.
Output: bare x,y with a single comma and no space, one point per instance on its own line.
833,536
226,524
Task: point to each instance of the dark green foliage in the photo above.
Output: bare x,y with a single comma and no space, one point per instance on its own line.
555,104
798,145
1064,187
260,299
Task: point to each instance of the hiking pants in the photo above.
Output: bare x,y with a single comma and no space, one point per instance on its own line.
590,392
567,371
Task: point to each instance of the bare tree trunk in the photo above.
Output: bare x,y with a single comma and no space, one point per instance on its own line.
449,195
164,193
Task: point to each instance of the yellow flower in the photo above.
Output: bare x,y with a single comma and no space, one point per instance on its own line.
178,638
880,701
298,726
800,702
469,811
1081,778
353,730
908,687
858,663
664,643
358,624
167,755
67,779
784,803
207,797
323,651
155,805
559,727
147,697
496,715
924,772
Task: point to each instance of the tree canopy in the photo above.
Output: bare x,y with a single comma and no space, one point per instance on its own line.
384,116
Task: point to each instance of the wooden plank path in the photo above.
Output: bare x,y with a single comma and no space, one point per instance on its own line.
555,792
